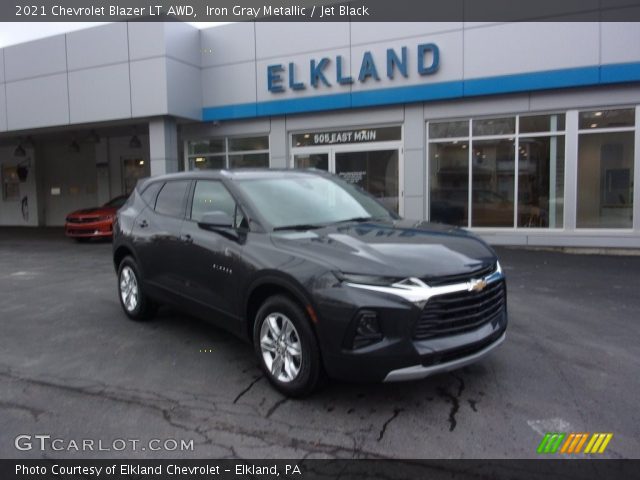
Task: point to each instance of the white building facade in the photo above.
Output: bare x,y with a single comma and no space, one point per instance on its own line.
526,133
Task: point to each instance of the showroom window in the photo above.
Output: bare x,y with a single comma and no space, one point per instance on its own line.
605,168
472,171
228,152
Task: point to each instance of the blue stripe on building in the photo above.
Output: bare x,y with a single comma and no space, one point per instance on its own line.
534,81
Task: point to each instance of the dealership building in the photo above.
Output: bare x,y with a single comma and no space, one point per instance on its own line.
526,133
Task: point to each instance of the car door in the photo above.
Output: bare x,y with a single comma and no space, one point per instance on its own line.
157,232
213,257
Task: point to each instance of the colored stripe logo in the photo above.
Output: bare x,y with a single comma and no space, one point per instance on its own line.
572,443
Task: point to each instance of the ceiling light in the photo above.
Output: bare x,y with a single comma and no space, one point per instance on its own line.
598,114
19,151
594,125
141,162
135,142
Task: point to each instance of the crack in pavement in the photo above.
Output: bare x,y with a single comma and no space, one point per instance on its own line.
208,432
276,406
34,412
383,430
454,399
455,406
255,380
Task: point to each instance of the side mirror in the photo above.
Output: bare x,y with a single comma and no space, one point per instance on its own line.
216,219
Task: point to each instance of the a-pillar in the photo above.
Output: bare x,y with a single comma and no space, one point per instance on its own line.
163,145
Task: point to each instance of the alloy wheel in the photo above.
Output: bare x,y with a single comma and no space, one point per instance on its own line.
281,347
129,289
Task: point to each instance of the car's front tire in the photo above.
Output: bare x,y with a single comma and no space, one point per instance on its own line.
286,347
133,299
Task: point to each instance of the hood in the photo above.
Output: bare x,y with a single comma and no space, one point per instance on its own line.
100,211
401,249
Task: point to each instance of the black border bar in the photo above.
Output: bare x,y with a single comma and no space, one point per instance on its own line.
544,469
320,10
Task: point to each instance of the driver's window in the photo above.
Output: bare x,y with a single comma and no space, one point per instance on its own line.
212,196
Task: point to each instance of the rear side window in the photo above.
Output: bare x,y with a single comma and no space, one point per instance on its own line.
149,194
172,198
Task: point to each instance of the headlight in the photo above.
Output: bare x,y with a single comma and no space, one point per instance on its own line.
498,267
366,279
106,218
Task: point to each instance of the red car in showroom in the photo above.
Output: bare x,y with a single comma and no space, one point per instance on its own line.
96,222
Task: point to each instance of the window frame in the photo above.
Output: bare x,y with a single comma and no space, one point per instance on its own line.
238,207
184,199
469,139
190,158
635,130
155,196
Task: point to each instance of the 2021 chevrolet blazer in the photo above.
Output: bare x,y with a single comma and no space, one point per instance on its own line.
316,273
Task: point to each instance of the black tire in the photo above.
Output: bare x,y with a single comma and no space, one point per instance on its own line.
144,307
310,365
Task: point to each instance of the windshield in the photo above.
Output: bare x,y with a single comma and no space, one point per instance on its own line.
116,202
310,201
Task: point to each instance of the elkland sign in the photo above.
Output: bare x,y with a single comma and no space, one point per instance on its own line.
281,77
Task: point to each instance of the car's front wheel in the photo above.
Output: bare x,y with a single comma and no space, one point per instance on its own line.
135,303
286,347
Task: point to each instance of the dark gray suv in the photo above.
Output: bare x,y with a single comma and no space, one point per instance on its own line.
316,273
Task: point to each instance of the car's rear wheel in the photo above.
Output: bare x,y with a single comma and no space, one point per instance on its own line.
135,303
286,347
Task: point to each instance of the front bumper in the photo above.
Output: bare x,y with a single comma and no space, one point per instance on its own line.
417,372
400,355
89,230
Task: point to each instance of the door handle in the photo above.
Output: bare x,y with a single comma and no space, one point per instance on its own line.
186,238
143,224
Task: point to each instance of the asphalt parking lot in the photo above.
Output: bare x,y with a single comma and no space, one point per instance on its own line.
73,367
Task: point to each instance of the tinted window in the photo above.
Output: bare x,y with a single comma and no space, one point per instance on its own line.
171,199
149,194
212,196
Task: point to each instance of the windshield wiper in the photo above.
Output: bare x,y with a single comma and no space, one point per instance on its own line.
301,226
355,219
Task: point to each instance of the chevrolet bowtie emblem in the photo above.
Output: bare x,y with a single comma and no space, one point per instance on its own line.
477,285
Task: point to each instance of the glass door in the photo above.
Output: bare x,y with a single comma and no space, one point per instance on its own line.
370,158
375,171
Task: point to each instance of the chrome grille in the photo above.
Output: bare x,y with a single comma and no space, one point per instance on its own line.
456,313
460,278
